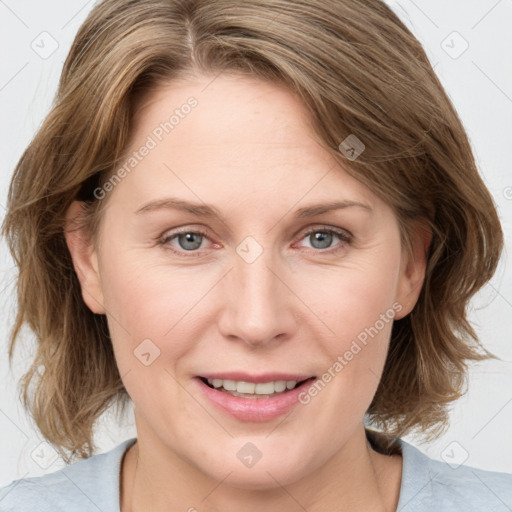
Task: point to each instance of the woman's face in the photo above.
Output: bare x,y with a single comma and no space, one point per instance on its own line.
263,285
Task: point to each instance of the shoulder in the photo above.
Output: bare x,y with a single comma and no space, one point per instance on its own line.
429,484
90,484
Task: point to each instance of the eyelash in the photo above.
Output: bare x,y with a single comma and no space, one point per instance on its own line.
344,236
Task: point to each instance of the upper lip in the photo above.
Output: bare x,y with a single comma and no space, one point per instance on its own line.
263,377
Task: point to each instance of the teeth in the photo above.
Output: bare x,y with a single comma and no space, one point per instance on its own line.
262,388
229,385
245,387
216,383
280,385
265,388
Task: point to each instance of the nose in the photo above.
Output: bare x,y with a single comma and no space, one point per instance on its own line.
257,303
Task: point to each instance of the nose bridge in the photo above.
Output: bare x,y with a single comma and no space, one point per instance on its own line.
257,305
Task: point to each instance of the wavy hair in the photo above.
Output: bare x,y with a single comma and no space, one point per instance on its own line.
359,71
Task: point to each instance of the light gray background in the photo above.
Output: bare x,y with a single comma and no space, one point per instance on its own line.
479,82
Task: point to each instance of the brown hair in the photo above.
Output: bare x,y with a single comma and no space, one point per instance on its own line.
359,71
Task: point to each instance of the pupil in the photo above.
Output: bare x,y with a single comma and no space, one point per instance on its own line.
324,238
187,242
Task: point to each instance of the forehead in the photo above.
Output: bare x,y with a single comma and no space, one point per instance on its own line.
233,137
229,110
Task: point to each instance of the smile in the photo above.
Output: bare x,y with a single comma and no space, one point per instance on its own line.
252,390
251,401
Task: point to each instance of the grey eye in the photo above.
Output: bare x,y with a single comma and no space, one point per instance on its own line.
189,241
321,239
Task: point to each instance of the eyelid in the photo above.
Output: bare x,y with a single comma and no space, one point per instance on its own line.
171,233
344,235
189,228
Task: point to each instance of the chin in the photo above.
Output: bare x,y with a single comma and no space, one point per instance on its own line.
268,467
264,478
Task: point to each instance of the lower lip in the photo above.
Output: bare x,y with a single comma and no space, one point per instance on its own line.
255,409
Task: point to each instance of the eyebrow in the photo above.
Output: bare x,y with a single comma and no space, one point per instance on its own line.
210,211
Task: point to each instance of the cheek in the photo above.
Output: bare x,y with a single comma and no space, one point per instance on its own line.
151,321
354,299
152,302
354,360
357,307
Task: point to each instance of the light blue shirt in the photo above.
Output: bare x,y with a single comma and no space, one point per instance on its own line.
427,486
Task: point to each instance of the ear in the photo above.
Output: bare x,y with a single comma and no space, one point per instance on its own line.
413,267
85,258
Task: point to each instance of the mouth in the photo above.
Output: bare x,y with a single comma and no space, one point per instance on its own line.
255,390
254,398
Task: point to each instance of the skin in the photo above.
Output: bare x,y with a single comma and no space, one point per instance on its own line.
249,150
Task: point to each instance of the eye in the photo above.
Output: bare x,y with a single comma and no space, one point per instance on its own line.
186,240
323,238
191,241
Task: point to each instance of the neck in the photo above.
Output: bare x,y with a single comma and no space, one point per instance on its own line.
356,478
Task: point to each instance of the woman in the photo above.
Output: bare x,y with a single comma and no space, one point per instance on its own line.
261,222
